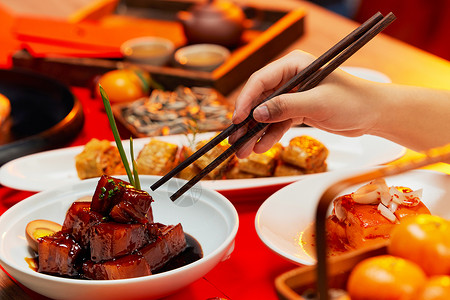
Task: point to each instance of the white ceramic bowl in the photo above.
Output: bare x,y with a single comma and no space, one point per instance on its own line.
150,50
201,57
210,218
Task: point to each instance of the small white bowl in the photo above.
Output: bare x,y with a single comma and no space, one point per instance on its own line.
211,219
202,57
155,51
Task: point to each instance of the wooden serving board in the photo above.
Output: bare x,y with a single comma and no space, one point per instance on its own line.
274,31
292,284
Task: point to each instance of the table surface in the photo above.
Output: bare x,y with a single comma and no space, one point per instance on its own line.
252,268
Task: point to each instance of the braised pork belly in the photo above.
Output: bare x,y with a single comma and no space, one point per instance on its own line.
111,237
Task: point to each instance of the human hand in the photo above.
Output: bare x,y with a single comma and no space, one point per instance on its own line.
340,104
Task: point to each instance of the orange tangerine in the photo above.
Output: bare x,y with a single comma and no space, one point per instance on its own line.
385,277
425,240
436,288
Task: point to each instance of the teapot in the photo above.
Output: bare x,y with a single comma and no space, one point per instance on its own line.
215,22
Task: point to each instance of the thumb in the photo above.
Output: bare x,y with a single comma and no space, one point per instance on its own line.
284,107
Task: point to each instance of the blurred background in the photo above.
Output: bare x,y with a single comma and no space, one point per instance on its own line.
421,23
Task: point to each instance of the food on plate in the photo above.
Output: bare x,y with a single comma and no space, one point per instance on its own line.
98,158
5,108
425,240
159,157
114,236
208,157
39,228
368,215
156,158
385,277
261,164
305,152
184,110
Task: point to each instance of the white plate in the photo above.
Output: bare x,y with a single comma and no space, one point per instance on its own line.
285,215
47,169
212,220
367,74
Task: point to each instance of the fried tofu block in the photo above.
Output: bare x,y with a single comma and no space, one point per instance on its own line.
212,154
111,240
98,158
156,158
305,152
191,170
284,169
130,266
261,164
236,173
365,225
58,254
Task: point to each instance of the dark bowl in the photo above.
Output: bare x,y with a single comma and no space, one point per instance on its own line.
44,114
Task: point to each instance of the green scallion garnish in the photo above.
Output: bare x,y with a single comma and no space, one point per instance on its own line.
113,125
135,172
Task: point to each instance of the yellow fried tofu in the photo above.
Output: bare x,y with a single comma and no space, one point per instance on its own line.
235,173
261,164
212,154
284,169
305,152
156,158
191,170
98,158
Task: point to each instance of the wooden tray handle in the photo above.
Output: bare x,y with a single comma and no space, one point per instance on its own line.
435,155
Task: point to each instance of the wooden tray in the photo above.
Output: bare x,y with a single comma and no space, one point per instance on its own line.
293,284
274,31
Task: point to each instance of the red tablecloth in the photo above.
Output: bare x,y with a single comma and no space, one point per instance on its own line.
250,271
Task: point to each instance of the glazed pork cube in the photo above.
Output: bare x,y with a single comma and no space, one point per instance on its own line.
167,242
107,194
134,206
79,220
112,240
156,158
121,201
98,158
58,254
261,164
129,266
305,152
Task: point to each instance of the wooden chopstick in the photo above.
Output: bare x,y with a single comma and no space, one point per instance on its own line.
306,79
296,80
288,86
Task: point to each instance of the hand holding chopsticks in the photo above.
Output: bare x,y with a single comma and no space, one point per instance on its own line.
306,79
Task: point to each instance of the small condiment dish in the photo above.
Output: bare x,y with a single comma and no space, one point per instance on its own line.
205,215
150,50
201,57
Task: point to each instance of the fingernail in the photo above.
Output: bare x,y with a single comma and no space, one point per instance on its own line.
261,113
